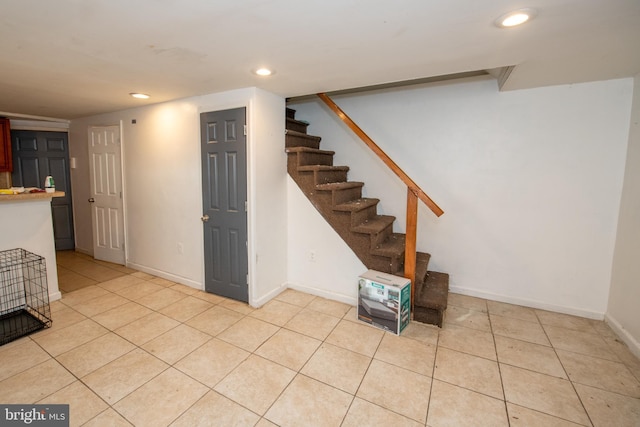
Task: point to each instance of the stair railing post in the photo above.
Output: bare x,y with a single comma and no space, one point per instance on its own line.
410,242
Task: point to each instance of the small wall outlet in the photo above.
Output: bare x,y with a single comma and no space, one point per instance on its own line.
180,248
312,256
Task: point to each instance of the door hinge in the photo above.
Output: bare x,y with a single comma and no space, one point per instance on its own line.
246,206
244,127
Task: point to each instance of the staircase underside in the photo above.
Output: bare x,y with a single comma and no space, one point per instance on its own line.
355,219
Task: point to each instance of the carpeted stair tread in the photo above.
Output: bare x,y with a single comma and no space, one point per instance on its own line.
375,224
308,150
333,186
356,220
356,205
313,168
393,246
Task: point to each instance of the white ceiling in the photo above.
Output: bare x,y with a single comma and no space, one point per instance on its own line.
73,58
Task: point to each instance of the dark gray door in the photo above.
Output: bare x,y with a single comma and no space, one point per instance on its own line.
36,155
224,188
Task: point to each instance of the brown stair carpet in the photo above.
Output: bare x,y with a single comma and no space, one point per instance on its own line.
355,219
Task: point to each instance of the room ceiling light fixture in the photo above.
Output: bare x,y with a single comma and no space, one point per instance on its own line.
515,18
139,95
263,72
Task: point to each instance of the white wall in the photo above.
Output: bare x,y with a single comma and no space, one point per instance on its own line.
268,198
163,189
28,225
320,262
530,182
623,313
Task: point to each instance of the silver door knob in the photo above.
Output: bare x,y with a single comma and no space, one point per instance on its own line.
204,218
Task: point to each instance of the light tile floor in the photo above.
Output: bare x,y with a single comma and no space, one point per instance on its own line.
127,348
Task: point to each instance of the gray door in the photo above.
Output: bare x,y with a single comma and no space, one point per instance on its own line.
36,155
224,196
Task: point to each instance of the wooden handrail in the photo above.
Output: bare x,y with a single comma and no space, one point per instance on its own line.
413,187
414,192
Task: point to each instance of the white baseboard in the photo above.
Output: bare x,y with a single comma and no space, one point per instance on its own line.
629,340
84,251
529,303
324,294
165,275
54,296
259,302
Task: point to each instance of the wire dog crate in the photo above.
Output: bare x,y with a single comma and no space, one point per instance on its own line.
24,294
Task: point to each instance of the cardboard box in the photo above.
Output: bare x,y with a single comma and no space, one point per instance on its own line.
384,301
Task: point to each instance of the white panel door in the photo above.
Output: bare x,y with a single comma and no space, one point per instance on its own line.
106,194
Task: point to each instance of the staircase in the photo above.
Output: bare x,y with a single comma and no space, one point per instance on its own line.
355,219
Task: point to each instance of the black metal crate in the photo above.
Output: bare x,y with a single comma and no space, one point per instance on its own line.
24,294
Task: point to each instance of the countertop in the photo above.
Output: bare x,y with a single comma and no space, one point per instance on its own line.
25,197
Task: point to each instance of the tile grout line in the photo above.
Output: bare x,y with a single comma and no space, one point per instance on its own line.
433,375
136,347
495,348
555,351
76,379
298,372
363,376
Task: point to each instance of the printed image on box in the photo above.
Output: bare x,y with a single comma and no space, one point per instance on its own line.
384,301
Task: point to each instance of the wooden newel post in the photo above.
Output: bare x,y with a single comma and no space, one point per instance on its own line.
410,243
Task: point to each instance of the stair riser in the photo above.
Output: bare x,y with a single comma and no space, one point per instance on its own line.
341,222
422,266
380,237
299,141
358,217
306,182
428,315
308,159
290,113
327,177
384,264
346,195
309,179
361,246
377,237
297,126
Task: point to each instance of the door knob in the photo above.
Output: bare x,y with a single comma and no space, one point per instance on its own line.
204,218
91,200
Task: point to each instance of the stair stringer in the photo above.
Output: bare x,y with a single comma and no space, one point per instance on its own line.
363,244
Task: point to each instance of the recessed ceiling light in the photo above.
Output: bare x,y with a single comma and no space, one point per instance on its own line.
140,95
264,72
517,17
